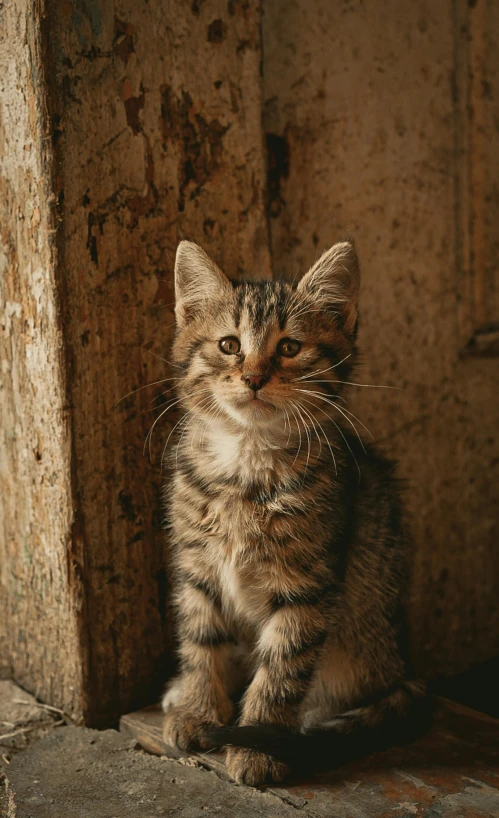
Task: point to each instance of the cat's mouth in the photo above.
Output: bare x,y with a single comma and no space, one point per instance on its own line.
256,403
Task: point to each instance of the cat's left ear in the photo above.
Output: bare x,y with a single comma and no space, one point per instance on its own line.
333,282
197,281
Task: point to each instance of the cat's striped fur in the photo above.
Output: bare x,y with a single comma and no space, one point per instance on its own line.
289,547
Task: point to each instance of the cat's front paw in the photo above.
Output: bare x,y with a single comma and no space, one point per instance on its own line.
252,768
187,730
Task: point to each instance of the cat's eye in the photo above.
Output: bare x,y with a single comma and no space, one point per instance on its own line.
288,347
230,345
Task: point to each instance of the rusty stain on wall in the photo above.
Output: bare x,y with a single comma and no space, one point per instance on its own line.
200,141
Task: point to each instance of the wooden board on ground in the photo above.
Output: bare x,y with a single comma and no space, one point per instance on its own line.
451,771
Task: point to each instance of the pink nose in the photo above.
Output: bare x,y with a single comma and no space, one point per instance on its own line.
254,382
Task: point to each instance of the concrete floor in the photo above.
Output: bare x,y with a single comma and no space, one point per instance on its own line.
80,773
22,722
52,769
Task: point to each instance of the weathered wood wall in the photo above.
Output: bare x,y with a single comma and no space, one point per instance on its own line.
40,603
156,135
382,120
158,107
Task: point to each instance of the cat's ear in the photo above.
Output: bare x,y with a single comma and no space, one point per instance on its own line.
197,280
333,282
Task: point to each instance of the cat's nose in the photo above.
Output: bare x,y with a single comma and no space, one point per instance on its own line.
254,382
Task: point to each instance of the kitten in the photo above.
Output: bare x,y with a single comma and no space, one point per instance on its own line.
289,546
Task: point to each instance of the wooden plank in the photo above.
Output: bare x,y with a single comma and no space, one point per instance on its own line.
146,726
451,771
40,590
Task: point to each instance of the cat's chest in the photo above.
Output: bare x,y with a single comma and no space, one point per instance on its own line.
240,475
243,459
238,556
241,588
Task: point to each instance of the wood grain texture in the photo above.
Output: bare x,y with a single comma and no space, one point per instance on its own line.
368,118
453,770
157,120
40,599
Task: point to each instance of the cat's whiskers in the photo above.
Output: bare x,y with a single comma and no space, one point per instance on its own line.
194,433
149,434
204,405
308,437
321,371
340,410
289,425
218,413
324,433
167,409
307,414
154,383
165,360
306,378
202,420
182,422
299,434
371,385
157,397
344,409
341,433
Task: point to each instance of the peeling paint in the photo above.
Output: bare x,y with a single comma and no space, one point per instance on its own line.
123,40
133,106
200,141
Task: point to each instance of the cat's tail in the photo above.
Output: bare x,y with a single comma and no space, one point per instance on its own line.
399,716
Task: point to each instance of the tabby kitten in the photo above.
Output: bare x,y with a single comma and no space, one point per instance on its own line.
289,547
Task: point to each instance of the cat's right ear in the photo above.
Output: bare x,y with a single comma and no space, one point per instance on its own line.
197,280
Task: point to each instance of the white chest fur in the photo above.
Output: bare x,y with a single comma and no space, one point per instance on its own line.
244,461
242,455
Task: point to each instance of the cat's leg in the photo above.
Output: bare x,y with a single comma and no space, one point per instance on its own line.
287,651
337,685
198,698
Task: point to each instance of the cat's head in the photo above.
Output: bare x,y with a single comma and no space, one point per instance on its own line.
255,352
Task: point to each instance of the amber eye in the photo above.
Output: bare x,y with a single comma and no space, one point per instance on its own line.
230,345
288,347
